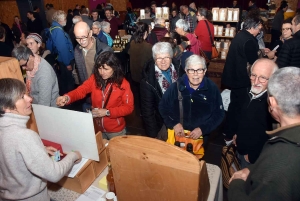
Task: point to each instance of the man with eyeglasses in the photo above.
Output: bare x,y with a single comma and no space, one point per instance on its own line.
243,51
202,105
86,52
255,118
290,51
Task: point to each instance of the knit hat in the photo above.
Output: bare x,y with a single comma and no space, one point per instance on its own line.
36,37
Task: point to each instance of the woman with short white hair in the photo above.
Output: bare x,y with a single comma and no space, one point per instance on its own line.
97,32
105,27
182,28
158,75
201,101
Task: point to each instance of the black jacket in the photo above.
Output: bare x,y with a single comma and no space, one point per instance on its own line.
151,95
243,50
254,121
275,174
290,52
16,31
203,108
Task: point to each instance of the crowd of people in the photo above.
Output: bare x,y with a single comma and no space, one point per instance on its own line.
165,61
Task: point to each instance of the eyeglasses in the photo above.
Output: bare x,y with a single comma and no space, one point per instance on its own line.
192,71
25,63
84,38
163,59
286,29
261,79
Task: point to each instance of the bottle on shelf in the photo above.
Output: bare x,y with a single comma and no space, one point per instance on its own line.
110,180
177,143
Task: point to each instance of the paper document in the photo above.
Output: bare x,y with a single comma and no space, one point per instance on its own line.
73,130
75,169
92,194
226,98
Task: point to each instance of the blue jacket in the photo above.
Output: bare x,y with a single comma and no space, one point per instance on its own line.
102,37
63,44
203,108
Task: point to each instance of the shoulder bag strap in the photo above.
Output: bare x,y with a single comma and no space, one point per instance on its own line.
180,104
211,40
108,96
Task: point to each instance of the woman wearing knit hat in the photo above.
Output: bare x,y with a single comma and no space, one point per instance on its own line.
34,43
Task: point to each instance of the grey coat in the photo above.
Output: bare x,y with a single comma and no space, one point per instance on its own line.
44,85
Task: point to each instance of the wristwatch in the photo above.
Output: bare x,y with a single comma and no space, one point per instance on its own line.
107,113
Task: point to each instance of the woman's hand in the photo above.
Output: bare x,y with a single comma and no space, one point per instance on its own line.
51,151
62,101
196,133
78,156
178,129
99,112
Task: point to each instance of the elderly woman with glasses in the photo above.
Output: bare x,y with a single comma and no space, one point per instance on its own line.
41,80
158,75
279,160
25,164
202,102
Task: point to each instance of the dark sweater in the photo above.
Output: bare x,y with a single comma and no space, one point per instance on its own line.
290,52
159,31
243,50
203,108
254,121
275,174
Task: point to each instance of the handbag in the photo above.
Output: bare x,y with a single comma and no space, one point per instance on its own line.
214,51
182,142
229,163
202,54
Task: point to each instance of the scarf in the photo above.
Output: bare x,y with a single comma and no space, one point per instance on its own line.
30,74
109,39
162,81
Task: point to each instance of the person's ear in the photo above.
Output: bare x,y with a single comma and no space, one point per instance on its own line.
272,102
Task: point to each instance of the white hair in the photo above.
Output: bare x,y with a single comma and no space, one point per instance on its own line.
182,24
97,24
162,48
195,60
159,21
284,86
59,15
272,64
76,19
104,25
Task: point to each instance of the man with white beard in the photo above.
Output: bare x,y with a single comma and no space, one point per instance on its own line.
62,47
255,118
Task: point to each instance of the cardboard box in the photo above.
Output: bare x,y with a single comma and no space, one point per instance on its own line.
100,165
82,181
89,172
99,141
122,32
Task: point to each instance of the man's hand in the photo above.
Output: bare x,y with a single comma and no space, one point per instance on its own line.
242,174
178,129
69,67
196,133
234,139
246,158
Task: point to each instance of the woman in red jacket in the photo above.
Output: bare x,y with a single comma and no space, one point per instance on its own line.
111,95
202,33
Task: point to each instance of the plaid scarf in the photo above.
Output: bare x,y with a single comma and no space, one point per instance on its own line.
162,81
30,74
